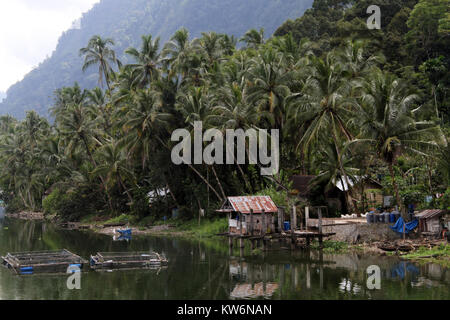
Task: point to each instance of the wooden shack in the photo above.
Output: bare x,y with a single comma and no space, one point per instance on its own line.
430,221
250,215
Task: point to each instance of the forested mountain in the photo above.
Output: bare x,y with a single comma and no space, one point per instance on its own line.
126,22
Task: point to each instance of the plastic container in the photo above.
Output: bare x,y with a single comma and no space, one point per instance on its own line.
370,218
380,218
386,217
26,270
287,226
391,218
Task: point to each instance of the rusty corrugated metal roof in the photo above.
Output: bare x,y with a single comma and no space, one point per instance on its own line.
431,213
257,203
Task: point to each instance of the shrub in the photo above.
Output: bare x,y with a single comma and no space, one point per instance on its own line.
70,205
51,203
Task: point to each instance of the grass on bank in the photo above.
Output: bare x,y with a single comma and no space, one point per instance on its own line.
330,246
206,228
439,254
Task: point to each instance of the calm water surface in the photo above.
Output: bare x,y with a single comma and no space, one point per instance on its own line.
206,270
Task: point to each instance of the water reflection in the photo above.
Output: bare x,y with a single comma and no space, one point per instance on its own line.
206,270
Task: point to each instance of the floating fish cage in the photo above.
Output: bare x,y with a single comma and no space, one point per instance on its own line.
127,260
27,263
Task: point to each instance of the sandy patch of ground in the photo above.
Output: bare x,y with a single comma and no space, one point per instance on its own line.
25,215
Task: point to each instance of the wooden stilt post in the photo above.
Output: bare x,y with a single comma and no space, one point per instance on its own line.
264,225
240,223
308,276
251,222
320,220
280,219
321,269
294,218
230,245
306,217
295,276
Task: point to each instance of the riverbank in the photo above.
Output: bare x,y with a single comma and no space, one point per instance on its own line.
189,229
26,215
429,252
437,254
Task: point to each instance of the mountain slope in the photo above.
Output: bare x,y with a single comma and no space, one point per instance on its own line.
125,22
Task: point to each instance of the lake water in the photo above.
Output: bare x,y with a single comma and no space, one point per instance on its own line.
206,270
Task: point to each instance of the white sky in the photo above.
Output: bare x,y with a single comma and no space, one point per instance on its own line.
29,31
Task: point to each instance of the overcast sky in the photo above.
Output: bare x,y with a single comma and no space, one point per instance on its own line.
29,31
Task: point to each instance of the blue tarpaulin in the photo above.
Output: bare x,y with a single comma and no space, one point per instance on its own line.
398,227
398,271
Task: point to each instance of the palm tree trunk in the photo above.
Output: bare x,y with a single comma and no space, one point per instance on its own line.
95,166
341,167
206,181
397,195
218,182
124,188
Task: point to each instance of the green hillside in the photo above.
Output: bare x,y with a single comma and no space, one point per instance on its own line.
125,22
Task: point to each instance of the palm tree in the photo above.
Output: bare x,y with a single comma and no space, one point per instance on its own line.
113,166
65,97
97,100
143,124
388,124
269,85
79,130
98,52
33,128
356,61
323,107
253,38
176,50
211,46
147,59
329,166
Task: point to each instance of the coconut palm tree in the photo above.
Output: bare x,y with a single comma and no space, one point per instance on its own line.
175,52
323,107
147,60
98,52
388,124
253,38
329,166
113,166
269,85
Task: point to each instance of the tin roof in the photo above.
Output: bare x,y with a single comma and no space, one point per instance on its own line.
427,214
257,203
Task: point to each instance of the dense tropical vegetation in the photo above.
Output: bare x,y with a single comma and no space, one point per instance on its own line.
348,102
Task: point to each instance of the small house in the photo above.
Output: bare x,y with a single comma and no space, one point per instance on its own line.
430,221
302,188
250,215
373,191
